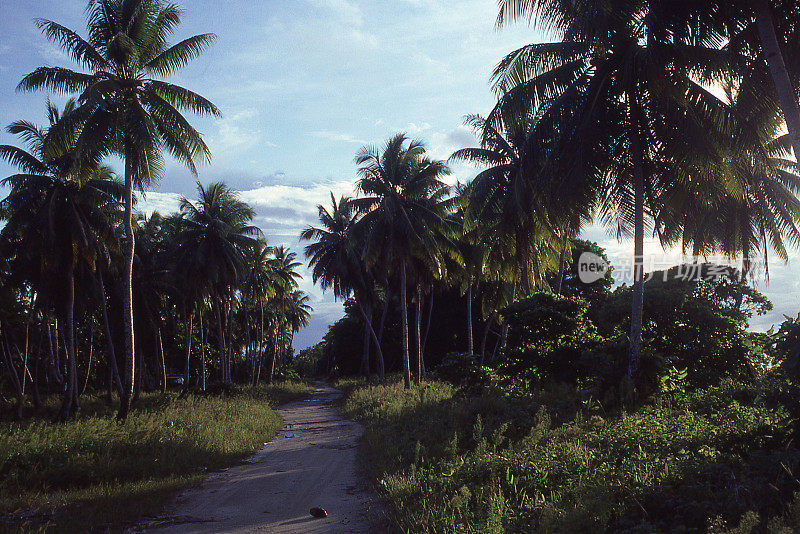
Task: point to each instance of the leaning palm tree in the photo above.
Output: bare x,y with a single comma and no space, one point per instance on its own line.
214,240
61,216
404,207
126,109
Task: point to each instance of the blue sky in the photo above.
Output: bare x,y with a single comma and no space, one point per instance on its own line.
302,84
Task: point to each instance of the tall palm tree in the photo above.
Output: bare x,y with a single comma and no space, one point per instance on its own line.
284,267
126,109
336,258
61,216
215,238
403,206
609,83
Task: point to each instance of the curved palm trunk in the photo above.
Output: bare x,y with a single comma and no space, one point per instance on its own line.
89,365
375,340
127,290
418,337
778,71
470,345
637,300
112,358
404,322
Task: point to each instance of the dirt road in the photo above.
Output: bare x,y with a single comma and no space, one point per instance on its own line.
310,463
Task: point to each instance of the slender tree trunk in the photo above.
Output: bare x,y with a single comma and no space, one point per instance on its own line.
202,351
91,352
379,339
375,339
127,290
429,316
560,281
418,334
404,321
37,377
69,345
12,373
163,364
470,346
110,355
220,339
777,69
272,361
637,300
364,370
187,315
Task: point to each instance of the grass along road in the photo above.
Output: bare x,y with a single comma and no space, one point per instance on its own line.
95,471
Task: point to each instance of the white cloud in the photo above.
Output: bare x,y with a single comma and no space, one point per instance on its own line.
337,136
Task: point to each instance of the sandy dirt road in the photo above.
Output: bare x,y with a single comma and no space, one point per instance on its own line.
310,463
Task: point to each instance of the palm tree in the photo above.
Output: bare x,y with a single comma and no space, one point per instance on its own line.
608,85
126,109
403,211
335,256
284,267
755,207
215,238
61,216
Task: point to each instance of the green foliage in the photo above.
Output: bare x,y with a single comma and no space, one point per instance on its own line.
547,336
95,470
450,462
785,345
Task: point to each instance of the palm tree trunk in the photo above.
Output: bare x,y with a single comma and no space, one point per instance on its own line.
274,357
427,331
89,365
127,290
364,370
202,351
220,339
379,339
69,345
404,322
418,336
187,315
163,364
375,340
778,71
637,300
560,281
470,346
112,358
12,373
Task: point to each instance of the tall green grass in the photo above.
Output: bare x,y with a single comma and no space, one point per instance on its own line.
709,460
94,471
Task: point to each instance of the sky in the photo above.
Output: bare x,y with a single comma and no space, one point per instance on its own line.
302,85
